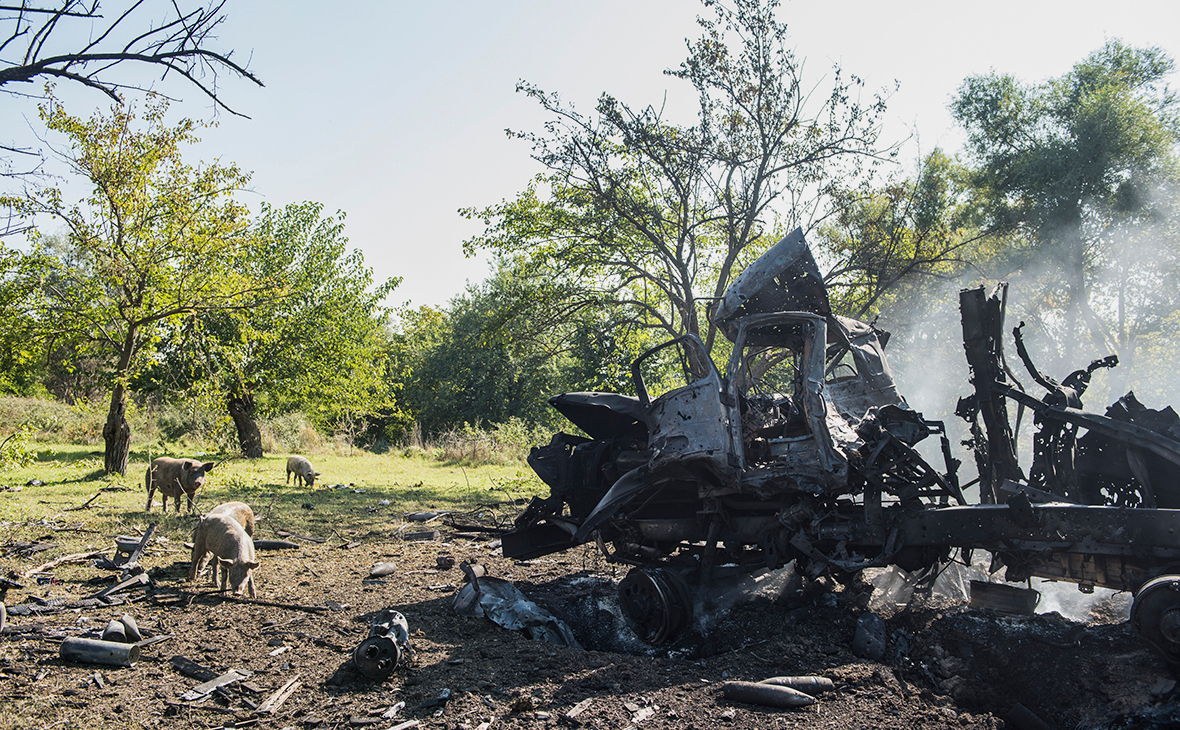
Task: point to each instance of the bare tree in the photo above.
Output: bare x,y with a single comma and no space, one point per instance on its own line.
76,41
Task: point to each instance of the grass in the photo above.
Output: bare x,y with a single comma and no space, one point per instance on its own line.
71,474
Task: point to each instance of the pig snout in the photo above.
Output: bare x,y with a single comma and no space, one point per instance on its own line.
239,575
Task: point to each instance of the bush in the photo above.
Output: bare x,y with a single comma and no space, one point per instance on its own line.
49,420
290,433
497,443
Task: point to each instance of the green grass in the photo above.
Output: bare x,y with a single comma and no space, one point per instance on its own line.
71,474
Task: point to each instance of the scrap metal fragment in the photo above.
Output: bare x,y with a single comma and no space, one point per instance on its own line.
428,536
1004,597
132,558
94,651
271,704
115,631
379,654
571,715
207,688
504,604
189,668
130,628
869,640
134,581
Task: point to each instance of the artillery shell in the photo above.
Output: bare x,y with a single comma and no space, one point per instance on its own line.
810,685
770,695
115,631
130,628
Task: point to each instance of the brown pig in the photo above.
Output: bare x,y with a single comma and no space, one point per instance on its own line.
174,477
232,548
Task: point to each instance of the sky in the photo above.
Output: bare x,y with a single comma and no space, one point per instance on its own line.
394,112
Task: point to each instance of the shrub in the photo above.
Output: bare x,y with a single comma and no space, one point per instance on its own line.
290,433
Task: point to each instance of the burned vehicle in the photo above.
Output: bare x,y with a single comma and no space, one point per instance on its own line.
804,451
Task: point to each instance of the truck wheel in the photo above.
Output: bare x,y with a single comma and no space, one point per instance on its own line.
655,604
1155,615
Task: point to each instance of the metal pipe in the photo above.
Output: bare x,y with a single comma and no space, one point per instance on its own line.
94,651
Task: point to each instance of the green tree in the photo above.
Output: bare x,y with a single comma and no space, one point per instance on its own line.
661,216
892,244
1073,165
155,239
314,343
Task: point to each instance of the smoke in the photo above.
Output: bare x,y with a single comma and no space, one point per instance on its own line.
893,588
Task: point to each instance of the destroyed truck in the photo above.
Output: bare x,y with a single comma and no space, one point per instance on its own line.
803,450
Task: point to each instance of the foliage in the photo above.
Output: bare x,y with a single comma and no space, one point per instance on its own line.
1083,167
15,451
153,240
891,244
660,216
463,368
499,351
312,342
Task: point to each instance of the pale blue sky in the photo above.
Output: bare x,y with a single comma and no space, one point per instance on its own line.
394,111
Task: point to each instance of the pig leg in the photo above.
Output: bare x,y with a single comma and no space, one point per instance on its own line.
191,507
224,574
198,557
250,584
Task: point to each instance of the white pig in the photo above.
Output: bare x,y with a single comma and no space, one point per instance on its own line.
243,515
303,471
225,537
240,511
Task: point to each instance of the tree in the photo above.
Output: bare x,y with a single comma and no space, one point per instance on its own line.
1073,164
155,239
886,244
312,343
662,216
74,41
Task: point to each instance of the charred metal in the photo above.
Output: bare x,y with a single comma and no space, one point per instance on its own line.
803,450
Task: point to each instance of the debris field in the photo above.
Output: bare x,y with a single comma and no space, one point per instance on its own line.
285,660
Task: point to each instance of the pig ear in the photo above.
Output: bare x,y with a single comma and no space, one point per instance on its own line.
186,465
251,565
208,466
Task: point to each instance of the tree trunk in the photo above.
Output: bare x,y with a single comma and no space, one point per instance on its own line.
241,409
117,433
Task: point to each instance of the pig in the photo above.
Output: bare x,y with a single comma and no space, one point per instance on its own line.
232,548
243,515
174,477
240,511
303,471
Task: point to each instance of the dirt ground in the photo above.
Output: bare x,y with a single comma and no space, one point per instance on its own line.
946,665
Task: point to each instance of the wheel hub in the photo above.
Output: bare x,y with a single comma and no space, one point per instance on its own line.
655,604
